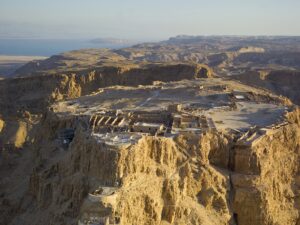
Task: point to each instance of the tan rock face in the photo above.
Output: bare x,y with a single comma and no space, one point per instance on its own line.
2,123
35,93
265,178
166,181
158,180
21,134
206,179
281,82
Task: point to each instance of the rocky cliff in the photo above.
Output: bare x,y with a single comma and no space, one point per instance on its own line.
281,82
208,179
36,92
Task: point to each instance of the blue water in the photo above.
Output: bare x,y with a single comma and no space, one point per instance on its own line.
46,47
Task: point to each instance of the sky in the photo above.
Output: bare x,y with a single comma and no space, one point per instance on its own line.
146,19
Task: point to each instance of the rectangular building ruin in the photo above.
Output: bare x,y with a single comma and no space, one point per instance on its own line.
158,123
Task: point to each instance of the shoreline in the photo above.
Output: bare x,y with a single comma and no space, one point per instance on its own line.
10,63
19,58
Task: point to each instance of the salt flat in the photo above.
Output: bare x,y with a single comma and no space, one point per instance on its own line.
9,63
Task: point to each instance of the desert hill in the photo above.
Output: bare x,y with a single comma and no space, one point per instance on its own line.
226,55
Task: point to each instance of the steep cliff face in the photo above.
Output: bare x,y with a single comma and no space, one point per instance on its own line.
282,82
157,180
15,130
195,179
265,178
35,93
172,182
2,124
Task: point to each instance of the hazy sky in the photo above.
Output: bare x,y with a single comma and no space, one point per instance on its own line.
147,19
